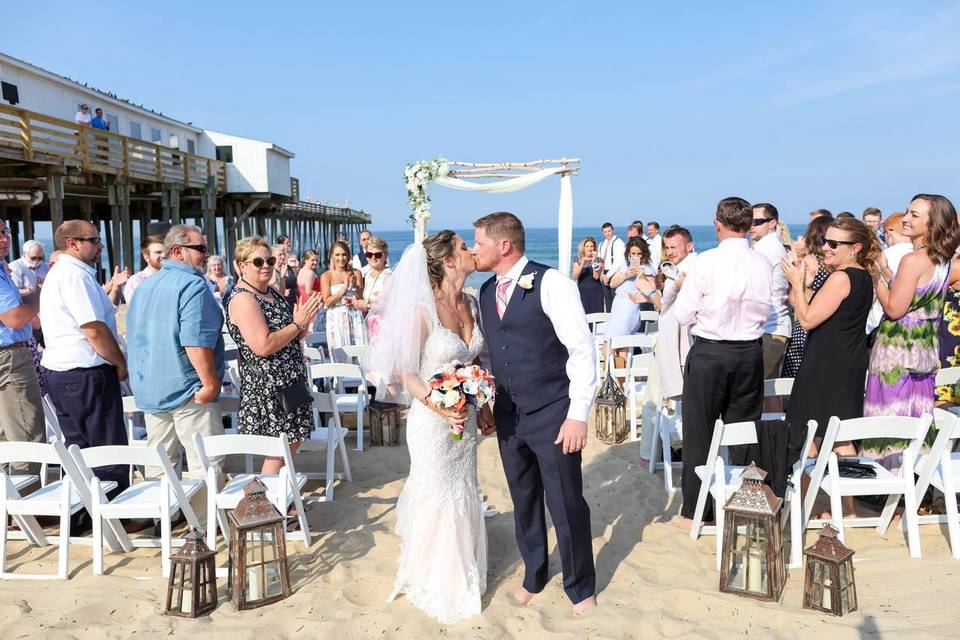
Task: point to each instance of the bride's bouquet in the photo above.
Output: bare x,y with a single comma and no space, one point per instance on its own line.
457,384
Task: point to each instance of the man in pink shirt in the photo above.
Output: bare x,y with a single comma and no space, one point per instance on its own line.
151,248
727,298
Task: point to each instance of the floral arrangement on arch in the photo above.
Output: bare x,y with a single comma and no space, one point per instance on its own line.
417,176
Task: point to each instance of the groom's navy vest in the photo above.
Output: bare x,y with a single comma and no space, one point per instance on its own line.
527,358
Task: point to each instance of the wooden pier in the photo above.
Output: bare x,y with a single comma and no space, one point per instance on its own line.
123,184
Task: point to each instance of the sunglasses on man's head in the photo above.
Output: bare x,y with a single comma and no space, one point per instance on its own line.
833,244
759,221
259,262
374,254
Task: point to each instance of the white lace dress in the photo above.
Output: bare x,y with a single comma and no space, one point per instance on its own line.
443,542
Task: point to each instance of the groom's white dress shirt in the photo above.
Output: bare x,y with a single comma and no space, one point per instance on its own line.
560,300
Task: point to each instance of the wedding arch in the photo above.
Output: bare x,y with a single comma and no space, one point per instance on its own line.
507,177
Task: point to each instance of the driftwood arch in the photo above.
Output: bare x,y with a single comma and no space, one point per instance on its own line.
494,178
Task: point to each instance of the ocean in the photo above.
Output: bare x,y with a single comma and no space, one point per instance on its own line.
541,243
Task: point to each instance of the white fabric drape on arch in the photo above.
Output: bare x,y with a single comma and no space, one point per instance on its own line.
564,214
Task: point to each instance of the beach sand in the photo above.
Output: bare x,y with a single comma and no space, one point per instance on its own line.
653,581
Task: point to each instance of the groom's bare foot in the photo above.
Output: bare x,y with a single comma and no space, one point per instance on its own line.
584,606
521,596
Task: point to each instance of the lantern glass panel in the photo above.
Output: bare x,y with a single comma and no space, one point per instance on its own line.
748,569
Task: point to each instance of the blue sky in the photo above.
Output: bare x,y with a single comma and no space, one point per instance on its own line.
671,106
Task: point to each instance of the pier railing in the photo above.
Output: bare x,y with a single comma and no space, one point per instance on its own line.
45,139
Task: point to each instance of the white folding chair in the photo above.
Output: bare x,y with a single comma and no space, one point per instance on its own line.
940,467
314,355
283,489
634,372
340,374
598,322
330,439
158,499
650,321
54,432
825,473
136,430
776,388
667,431
720,480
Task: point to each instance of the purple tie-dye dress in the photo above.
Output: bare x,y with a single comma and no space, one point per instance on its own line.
906,355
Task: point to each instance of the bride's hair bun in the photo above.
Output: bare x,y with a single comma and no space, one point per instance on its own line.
438,246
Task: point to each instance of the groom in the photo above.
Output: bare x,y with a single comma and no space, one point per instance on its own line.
542,356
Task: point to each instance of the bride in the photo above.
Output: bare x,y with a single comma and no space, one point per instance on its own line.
426,322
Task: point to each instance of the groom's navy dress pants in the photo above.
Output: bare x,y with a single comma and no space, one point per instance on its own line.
537,470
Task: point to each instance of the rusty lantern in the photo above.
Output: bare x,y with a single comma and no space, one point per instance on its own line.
386,424
610,413
829,585
258,573
753,563
192,589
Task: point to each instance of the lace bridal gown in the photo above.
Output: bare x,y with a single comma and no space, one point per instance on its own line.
443,542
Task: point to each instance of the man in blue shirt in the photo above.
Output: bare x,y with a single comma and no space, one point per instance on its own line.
21,414
98,122
175,350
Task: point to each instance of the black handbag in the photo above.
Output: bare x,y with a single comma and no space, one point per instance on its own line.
853,468
292,396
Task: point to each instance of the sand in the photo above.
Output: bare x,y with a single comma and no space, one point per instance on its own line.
653,581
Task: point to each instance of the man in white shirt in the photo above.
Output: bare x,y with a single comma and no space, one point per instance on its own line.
776,331
542,355
612,253
28,271
151,248
359,260
726,297
83,115
83,361
655,243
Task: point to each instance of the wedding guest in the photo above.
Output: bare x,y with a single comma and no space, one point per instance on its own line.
151,248
308,281
816,213
625,311
268,336
809,251
898,245
611,251
54,256
341,286
633,231
293,264
175,350
727,298
377,274
286,242
216,274
776,331
29,270
830,380
655,242
279,279
904,359
586,272
290,277
21,414
83,362
114,286
359,260
845,214
871,217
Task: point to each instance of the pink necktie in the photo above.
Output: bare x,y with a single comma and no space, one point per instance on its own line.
502,286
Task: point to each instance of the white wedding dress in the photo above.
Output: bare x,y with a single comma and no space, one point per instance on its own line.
443,542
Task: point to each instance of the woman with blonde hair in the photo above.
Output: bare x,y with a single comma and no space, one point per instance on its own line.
341,286
586,271
268,338
378,274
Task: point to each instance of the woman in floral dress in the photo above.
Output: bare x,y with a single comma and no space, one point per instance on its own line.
905,358
341,286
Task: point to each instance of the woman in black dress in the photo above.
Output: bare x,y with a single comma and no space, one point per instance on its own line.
810,252
831,377
268,338
587,277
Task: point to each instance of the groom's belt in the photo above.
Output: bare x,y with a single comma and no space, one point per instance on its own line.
710,341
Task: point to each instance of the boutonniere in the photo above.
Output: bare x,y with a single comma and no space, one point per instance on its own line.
526,282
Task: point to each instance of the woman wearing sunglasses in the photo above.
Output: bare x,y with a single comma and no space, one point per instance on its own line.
377,274
830,379
268,338
905,359
342,286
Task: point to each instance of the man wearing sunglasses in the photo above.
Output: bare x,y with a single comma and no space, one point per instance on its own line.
83,362
765,234
28,271
175,346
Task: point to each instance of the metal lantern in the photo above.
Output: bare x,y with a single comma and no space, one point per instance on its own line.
386,423
258,573
610,413
192,589
753,563
829,584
